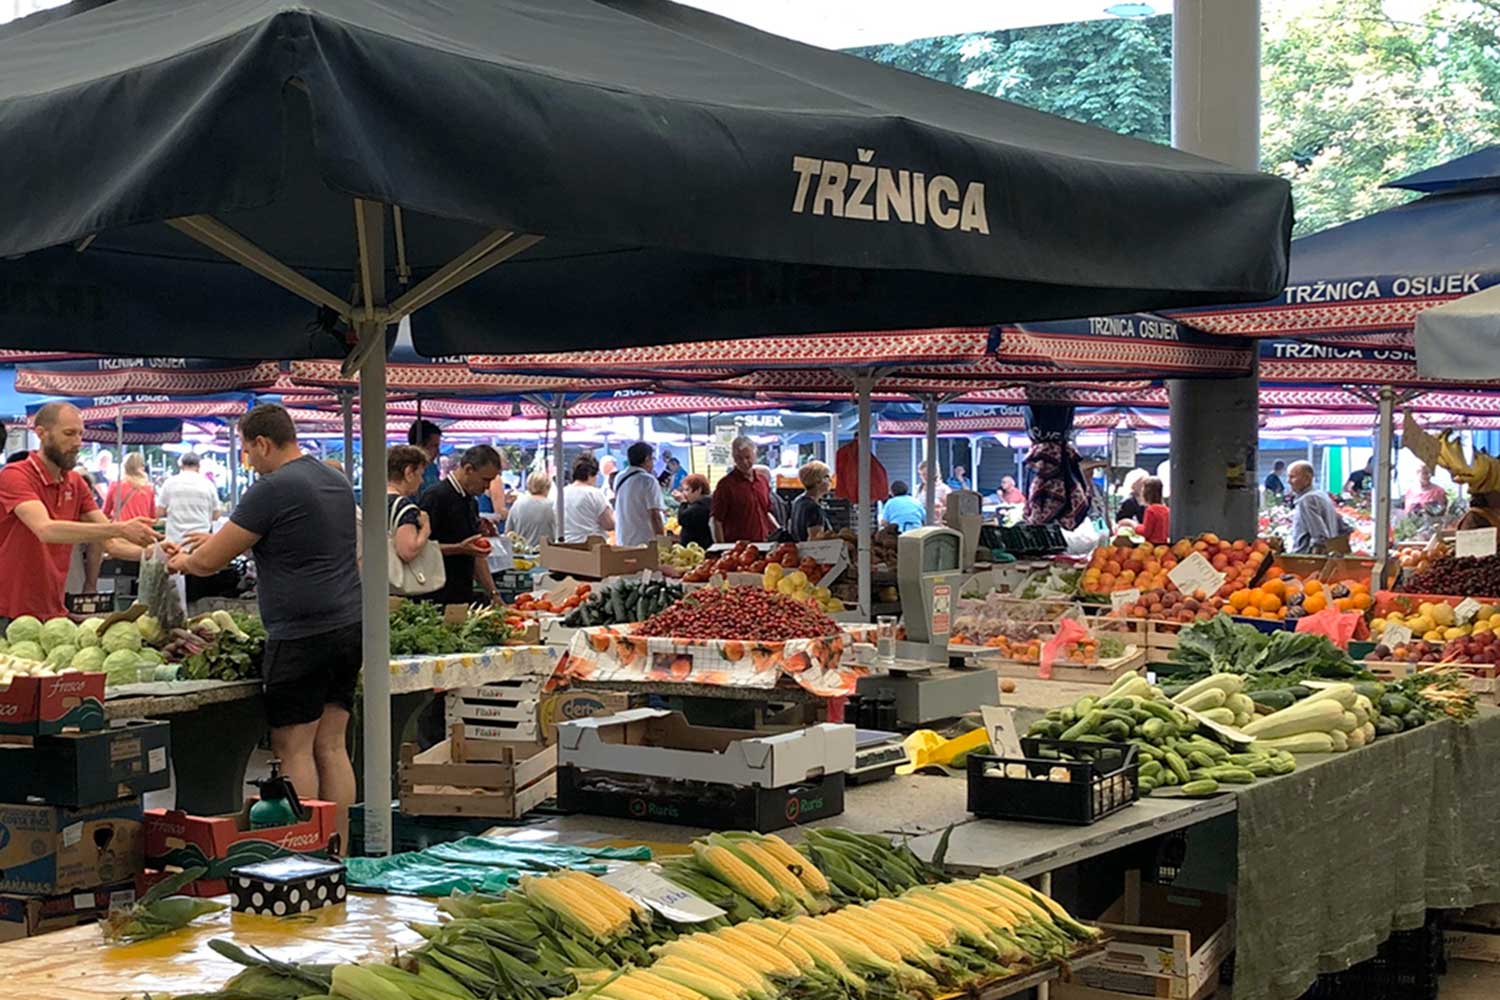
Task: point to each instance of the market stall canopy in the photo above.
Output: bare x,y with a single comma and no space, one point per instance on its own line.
103,376
649,172
1460,341
1117,346
108,421
1372,277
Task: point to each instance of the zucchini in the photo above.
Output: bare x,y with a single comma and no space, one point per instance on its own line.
1223,716
1299,743
1232,775
1083,705
1200,788
1343,694
1198,758
1145,784
1275,698
1225,684
1394,704
1204,700
1218,753
1348,722
1313,715
1240,704
1177,765
1387,725
1373,690
1153,729
1340,741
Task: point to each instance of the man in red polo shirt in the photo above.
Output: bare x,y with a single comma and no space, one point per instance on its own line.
45,509
741,505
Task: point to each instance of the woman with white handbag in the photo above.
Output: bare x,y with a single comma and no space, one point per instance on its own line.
416,561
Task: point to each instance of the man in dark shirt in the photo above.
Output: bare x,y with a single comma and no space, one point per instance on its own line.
454,513
1275,485
298,521
428,436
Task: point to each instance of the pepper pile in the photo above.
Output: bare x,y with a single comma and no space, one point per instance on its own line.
738,613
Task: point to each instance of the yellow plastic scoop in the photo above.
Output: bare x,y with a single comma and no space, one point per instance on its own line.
925,748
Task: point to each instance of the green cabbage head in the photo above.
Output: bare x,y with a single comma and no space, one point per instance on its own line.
121,635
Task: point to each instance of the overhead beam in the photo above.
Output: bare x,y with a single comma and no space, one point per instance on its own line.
496,248
220,238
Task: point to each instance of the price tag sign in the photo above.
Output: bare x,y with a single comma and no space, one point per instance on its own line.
1122,598
1395,634
1467,608
1196,573
1476,543
1000,723
671,901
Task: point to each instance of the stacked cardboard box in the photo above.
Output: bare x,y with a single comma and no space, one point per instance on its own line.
71,839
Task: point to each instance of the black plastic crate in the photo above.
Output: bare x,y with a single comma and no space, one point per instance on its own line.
1065,781
1033,540
840,513
1408,966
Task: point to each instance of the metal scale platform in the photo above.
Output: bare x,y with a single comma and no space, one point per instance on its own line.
927,683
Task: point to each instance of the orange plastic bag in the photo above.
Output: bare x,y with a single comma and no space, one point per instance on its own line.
1338,626
1068,631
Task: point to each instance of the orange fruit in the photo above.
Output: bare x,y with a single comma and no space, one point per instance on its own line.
1313,586
1362,601
1317,602
1239,599
1270,603
1274,587
1344,604
1251,612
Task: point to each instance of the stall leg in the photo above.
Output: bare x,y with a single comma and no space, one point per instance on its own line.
213,784
930,405
1383,483
346,409
560,415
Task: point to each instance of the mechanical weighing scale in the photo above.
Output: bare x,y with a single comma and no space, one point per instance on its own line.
928,684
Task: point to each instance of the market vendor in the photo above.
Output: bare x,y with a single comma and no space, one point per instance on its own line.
1316,524
1426,493
46,508
298,520
741,505
453,508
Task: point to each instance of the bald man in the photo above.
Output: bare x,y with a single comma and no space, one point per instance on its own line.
45,509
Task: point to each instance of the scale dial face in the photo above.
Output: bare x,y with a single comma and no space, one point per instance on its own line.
940,555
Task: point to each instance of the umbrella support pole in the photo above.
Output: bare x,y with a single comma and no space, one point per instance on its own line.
864,383
234,463
929,460
559,414
346,410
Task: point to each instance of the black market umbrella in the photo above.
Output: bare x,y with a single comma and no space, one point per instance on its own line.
216,178
686,176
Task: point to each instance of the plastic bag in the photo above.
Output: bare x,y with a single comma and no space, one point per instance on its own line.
1069,630
158,593
1337,625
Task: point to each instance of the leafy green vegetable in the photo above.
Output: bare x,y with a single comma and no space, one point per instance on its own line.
228,657
1289,651
418,629
1222,644
1218,645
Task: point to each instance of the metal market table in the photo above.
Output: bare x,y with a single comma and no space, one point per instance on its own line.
216,725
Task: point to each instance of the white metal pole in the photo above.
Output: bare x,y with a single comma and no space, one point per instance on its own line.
930,404
560,414
346,408
863,383
1382,484
374,587
234,462
377,640
975,445
830,437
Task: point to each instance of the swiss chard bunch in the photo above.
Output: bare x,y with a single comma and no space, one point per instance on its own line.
418,629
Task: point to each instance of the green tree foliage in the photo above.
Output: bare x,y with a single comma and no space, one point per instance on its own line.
1352,94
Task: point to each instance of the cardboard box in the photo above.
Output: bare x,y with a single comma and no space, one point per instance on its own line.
175,839
468,777
46,850
1164,942
27,916
596,558
655,742
576,703
33,706
87,768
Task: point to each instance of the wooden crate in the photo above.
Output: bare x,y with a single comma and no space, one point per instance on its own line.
1103,672
468,777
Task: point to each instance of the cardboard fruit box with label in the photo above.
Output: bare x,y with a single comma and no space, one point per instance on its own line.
46,849
28,916
651,764
128,758
176,839
33,706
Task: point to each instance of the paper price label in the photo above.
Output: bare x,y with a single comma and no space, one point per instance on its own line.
156,759
1474,543
83,901
1466,609
1000,723
72,834
1196,573
671,901
1123,598
1395,634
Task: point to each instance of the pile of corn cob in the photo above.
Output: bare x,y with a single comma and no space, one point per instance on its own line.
867,918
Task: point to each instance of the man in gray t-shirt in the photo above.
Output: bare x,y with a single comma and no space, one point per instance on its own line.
298,522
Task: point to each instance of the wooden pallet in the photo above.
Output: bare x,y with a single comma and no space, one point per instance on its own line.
1103,672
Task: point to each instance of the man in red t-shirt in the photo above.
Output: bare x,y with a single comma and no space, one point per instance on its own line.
45,509
741,505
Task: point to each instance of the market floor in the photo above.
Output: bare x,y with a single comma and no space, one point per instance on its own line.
1469,980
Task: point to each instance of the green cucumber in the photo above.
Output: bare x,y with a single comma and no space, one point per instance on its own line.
1200,788
1178,765
1084,725
1274,698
